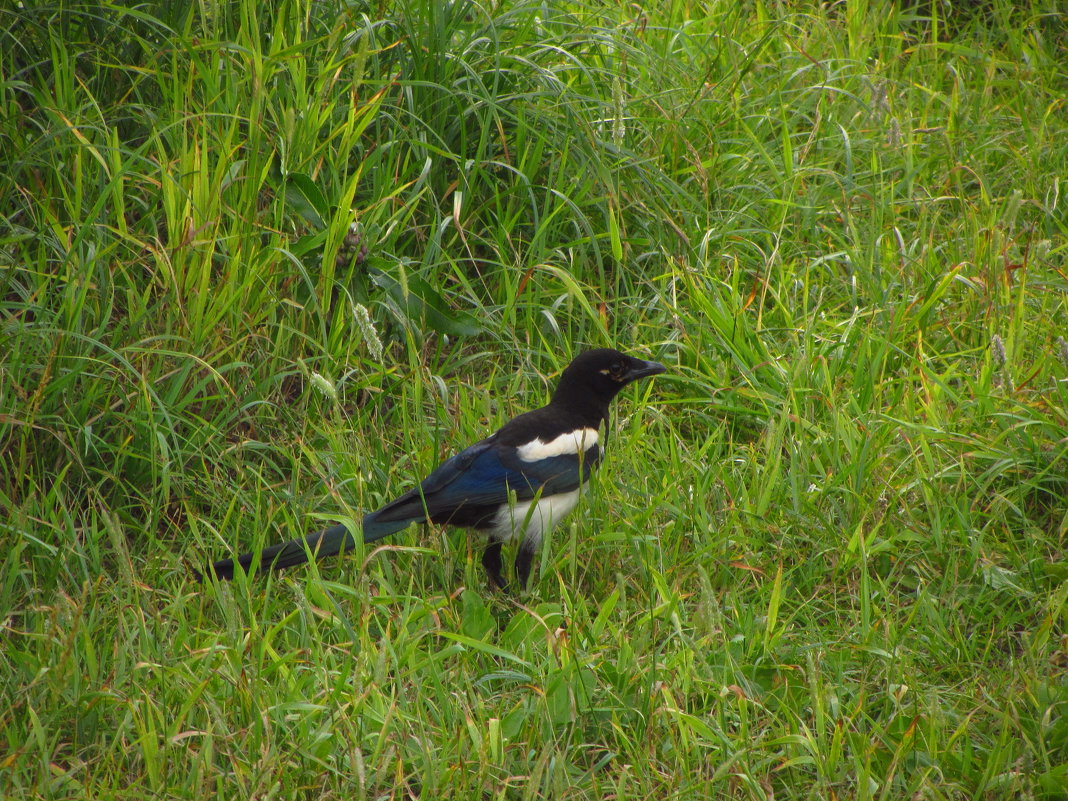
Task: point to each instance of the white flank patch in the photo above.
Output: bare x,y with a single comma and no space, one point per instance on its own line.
532,523
578,441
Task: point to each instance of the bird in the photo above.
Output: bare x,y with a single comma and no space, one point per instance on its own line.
517,483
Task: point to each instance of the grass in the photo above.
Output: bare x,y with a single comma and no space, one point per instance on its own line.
263,266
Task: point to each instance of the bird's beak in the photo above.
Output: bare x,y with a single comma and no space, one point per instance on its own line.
644,369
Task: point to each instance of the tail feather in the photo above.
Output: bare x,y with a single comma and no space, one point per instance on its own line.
375,529
321,544
328,542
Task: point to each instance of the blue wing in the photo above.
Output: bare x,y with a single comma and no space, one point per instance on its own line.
475,482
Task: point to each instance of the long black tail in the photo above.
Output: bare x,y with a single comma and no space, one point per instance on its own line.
321,544
328,542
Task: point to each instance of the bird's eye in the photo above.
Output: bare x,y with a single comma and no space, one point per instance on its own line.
616,370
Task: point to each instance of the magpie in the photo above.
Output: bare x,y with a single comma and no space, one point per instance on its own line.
517,483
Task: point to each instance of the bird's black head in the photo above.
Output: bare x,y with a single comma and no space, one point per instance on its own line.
598,375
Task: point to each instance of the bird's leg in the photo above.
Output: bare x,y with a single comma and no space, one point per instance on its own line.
523,559
491,560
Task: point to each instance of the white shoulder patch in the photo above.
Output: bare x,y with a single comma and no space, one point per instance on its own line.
578,441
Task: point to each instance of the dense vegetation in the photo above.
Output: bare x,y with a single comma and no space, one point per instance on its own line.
264,264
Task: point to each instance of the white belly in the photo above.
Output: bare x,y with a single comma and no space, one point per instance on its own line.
531,520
